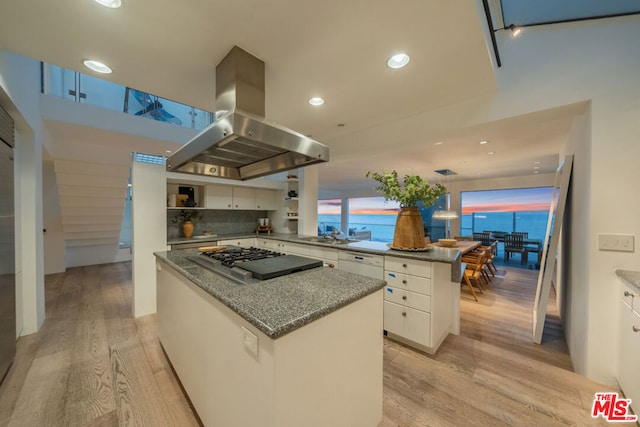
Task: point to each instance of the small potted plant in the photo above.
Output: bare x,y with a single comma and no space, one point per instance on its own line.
409,231
187,217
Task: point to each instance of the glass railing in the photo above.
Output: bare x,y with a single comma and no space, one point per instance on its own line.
90,90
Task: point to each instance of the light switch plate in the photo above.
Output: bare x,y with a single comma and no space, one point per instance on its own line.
616,242
250,341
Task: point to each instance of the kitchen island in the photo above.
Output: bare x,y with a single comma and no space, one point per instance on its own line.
301,349
422,296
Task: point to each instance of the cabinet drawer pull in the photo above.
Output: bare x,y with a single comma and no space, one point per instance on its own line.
404,282
404,265
404,313
404,297
629,294
635,329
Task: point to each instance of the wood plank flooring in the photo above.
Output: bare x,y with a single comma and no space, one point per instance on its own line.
92,364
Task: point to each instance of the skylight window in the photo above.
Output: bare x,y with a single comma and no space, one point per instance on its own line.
148,158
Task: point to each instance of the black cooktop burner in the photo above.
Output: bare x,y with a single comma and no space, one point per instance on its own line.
231,257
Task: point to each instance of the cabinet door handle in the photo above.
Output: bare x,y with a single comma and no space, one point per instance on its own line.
404,265
404,297
404,282
404,313
635,329
228,206
629,294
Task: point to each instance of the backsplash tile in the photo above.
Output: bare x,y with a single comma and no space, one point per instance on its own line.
217,222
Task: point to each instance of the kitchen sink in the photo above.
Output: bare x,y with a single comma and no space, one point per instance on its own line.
328,240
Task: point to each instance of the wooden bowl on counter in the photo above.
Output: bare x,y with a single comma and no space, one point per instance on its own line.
449,243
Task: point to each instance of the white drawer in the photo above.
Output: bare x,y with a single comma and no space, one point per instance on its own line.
421,285
414,325
408,298
408,266
292,248
322,253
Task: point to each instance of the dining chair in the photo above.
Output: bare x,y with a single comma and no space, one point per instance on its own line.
513,243
473,275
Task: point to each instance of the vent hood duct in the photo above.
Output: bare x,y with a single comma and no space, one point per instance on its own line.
240,144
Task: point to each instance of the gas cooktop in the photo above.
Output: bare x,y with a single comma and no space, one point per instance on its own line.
251,265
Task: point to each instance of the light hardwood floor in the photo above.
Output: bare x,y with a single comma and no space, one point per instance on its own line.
92,364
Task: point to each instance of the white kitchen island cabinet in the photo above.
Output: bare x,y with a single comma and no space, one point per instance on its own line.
245,361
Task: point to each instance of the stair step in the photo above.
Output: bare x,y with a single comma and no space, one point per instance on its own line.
91,242
86,191
91,181
77,202
92,235
81,228
89,168
91,211
91,219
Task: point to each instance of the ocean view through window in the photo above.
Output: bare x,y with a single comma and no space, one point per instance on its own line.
365,214
518,209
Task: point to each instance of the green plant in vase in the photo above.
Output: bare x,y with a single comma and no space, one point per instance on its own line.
187,217
409,231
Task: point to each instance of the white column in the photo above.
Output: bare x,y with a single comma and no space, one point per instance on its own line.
308,202
149,218
29,239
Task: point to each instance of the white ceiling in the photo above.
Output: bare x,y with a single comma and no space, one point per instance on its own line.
334,49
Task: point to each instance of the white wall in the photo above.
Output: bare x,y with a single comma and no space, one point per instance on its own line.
597,61
19,79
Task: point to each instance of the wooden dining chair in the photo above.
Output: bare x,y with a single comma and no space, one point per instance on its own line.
472,275
475,271
513,243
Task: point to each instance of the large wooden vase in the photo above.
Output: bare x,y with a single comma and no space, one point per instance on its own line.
187,229
409,232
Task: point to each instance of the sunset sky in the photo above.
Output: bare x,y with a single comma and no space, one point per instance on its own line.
514,200
360,205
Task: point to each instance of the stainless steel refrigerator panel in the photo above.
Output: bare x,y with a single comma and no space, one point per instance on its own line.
7,261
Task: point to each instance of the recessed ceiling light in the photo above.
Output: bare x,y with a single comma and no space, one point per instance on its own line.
536,167
483,142
438,143
536,171
316,100
491,153
398,60
536,162
167,151
97,66
113,4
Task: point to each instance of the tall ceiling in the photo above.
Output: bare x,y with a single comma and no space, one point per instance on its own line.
334,49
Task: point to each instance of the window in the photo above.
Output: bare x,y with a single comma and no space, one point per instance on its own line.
329,215
519,209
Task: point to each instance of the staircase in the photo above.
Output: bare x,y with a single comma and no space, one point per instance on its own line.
92,199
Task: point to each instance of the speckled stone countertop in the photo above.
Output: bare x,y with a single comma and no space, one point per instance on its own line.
283,304
630,277
449,256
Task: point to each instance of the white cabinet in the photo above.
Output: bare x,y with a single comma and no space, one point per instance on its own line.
241,198
265,200
243,243
629,346
407,301
218,197
244,198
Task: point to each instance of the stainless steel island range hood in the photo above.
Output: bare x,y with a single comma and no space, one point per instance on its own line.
240,144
